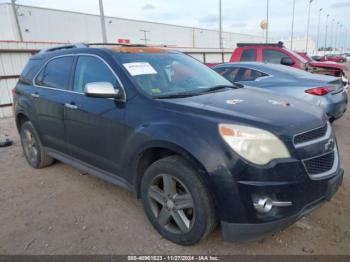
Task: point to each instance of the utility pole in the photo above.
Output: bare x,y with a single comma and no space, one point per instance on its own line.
145,36
318,28
325,38
103,24
308,26
292,35
221,46
267,21
15,14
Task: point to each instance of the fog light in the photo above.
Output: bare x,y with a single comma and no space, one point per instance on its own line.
263,204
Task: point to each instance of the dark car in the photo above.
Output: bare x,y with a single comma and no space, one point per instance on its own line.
324,91
195,148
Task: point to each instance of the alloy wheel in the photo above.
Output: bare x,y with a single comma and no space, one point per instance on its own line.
29,145
172,204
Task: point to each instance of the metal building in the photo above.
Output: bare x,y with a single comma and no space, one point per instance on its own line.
43,24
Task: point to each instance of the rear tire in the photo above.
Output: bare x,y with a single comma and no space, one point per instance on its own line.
32,147
177,202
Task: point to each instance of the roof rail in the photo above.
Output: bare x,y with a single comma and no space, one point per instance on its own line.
279,44
61,47
115,44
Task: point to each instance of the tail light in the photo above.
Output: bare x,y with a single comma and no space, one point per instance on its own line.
320,91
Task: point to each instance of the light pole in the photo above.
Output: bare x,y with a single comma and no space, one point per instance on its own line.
220,26
103,24
335,37
325,38
291,37
318,28
308,26
267,20
331,34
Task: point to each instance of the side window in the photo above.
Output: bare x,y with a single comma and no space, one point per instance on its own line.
248,55
29,71
273,56
229,73
246,74
91,69
56,73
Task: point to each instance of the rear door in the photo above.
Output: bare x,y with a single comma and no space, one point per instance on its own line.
53,89
94,126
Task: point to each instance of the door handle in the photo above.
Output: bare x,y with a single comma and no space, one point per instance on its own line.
35,95
70,106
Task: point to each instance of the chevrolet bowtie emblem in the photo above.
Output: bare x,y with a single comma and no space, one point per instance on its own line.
280,103
329,145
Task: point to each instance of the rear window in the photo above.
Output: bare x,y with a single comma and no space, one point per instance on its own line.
29,71
248,55
56,73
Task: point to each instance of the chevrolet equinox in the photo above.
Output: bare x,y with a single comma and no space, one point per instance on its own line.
198,150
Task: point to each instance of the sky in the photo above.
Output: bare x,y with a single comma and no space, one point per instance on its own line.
240,16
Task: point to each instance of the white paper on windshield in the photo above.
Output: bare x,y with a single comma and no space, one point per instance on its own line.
140,68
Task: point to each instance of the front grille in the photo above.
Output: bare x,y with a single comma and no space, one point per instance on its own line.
310,135
320,164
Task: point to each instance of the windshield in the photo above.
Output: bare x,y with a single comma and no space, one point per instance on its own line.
302,59
165,74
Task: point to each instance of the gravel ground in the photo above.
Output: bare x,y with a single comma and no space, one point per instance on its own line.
59,210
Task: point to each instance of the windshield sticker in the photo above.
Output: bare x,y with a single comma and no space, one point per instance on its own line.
156,90
234,101
280,103
140,68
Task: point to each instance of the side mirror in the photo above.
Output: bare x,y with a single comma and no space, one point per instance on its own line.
287,61
102,90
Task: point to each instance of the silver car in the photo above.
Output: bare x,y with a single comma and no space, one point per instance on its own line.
324,91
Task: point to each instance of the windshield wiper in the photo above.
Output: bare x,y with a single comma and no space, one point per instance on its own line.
218,87
177,95
196,93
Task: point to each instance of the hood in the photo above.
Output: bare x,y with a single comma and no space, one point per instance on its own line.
327,64
279,114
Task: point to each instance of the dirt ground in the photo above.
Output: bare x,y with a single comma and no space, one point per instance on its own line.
58,210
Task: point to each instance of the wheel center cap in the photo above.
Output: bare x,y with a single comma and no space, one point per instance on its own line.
170,204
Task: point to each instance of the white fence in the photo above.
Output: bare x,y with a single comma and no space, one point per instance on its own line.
14,55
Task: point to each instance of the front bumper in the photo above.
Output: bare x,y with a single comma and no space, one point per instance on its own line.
254,231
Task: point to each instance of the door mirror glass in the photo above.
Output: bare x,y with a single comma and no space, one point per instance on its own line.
287,61
102,90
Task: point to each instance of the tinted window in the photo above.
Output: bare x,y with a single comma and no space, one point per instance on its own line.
29,71
91,69
229,73
249,55
246,74
56,73
273,56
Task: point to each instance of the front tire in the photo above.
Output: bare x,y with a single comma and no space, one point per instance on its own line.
177,202
32,148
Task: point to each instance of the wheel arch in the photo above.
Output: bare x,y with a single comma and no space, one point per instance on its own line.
151,153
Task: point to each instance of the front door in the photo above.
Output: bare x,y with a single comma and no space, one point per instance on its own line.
94,126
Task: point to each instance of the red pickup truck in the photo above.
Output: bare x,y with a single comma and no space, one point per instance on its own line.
278,54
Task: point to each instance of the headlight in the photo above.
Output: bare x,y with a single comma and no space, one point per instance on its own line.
256,145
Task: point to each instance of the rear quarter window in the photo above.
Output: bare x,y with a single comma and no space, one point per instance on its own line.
29,71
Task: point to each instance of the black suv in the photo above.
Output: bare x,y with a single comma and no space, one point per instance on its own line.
195,148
